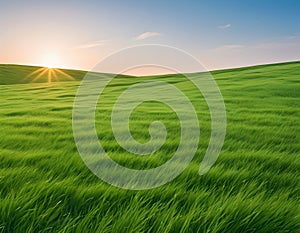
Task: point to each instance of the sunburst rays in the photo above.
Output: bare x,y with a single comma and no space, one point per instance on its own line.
51,74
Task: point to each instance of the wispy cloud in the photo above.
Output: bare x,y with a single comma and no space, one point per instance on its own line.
293,36
277,45
280,46
146,35
229,47
92,44
225,26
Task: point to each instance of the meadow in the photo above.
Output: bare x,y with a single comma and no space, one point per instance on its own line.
252,187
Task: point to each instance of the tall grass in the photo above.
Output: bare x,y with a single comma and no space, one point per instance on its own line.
253,187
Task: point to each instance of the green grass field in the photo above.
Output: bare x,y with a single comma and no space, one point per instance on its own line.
253,187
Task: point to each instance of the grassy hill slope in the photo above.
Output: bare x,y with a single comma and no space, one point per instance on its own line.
253,186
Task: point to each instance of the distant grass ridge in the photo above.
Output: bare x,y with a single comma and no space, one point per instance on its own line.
253,187
20,74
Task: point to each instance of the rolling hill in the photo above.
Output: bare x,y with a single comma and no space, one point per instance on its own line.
253,186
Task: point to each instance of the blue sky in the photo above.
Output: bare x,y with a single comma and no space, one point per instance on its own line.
78,34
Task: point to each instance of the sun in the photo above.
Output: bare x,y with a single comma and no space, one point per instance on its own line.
51,74
50,66
51,61
49,71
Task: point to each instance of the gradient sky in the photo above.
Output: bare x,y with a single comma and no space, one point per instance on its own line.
78,34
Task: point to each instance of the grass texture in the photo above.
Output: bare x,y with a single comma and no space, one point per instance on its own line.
253,186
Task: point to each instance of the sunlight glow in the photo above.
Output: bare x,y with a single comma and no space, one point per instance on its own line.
49,73
51,60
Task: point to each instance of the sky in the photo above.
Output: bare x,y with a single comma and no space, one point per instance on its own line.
79,34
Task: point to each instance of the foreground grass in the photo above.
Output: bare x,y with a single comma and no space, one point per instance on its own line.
253,187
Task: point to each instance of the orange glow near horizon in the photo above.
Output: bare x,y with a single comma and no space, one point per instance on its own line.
50,73
149,70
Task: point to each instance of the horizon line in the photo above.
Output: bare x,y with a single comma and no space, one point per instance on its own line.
212,70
